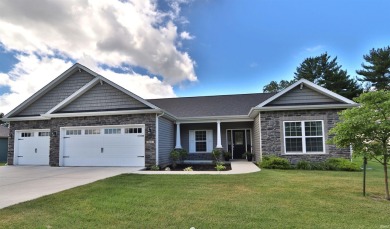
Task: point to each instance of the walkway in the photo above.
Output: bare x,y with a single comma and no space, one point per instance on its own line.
238,167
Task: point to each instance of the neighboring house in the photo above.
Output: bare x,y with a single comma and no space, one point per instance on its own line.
83,119
3,143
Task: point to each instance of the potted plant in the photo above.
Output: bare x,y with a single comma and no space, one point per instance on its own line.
248,155
227,155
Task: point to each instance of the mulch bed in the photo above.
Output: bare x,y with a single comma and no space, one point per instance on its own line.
196,167
199,167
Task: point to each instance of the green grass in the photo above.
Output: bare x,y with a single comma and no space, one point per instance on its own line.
268,199
3,163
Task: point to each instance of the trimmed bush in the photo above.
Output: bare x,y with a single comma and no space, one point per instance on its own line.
304,165
177,155
274,162
338,164
342,164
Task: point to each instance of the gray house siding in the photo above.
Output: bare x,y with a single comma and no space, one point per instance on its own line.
256,138
3,149
103,97
57,94
54,125
273,139
302,96
166,136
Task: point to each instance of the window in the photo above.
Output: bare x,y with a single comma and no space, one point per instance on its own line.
92,131
201,141
73,132
112,131
44,134
133,130
27,134
304,137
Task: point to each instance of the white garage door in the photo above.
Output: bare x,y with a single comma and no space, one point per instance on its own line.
103,146
32,147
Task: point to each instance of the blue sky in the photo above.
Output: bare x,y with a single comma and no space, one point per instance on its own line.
181,47
242,45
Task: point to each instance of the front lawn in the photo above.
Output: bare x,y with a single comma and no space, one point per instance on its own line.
268,199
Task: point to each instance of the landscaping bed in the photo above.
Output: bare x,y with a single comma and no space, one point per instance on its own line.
199,167
195,167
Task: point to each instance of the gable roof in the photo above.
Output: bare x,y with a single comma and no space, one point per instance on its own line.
312,86
205,106
57,81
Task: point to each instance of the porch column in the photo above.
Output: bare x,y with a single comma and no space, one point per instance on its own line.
219,144
178,141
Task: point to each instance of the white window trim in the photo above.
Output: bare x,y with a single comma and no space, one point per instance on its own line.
192,142
303,138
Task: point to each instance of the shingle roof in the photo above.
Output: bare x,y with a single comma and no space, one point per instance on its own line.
3,131
221,105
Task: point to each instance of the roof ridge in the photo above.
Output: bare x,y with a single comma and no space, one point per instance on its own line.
204,96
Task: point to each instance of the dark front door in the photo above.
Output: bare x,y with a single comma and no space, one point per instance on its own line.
238,143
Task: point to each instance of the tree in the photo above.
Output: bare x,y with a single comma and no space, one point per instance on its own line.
276,87
367,129
377,72
324,71
1,116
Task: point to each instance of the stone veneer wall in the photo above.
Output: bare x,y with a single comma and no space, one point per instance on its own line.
54,125
272,133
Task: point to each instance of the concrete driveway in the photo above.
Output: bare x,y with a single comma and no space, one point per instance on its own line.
23,183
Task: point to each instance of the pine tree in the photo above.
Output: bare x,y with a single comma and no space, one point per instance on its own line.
377,72
326,72
274,86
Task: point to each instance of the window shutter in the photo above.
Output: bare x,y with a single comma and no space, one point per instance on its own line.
192,141
209,140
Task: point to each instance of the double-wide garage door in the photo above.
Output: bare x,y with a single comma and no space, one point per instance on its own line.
84,146
103,146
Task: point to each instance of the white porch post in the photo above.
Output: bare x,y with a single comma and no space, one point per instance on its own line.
178,141
219,144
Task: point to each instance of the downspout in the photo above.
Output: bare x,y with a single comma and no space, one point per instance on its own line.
157,133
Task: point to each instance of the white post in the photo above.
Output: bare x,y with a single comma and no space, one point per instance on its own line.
219,144
178,141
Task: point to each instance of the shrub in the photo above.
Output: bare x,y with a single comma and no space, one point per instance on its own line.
304,165
219,166
177,155
341,164
217,154
188,169
155,168
274,162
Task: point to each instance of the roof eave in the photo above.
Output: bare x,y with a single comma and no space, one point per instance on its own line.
255,110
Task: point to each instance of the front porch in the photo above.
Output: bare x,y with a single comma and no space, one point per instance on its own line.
199,139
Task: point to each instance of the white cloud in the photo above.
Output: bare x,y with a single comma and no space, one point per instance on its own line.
31,73
186,36
315,48
51,34
112,32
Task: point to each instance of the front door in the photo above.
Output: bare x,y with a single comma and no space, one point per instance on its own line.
239,141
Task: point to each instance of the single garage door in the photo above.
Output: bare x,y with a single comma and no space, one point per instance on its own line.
103,146
32,147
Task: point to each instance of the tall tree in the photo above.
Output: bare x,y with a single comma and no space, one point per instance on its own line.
367,129
377,72
326,72
276,87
